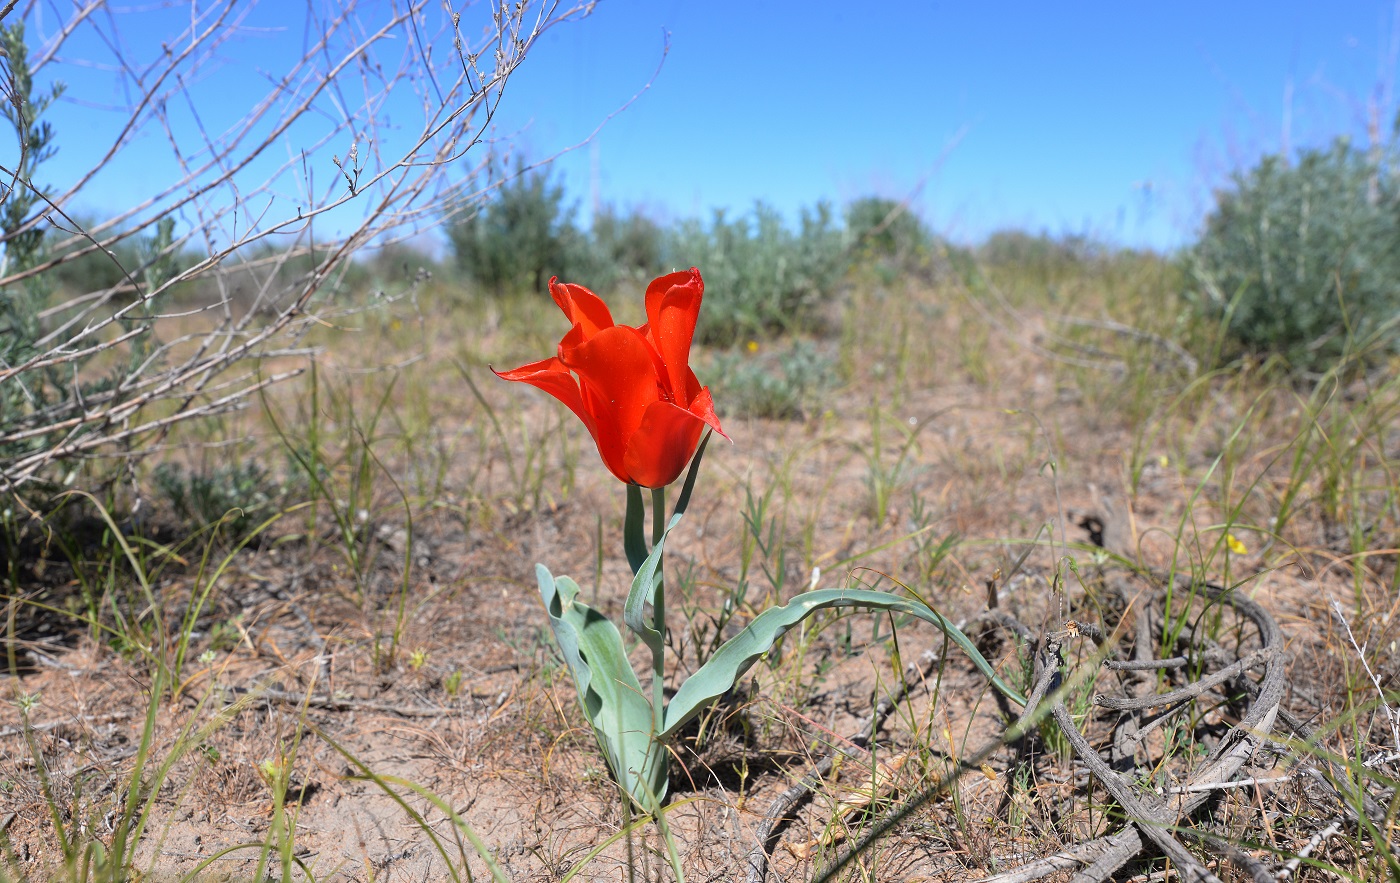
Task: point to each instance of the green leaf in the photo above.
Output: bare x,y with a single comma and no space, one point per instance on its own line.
643,593
608,690
634,538
648,575
689,485
739,653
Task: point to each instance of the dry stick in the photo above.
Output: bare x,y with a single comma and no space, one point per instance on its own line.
1240,743
1192,690
332,703
1121,847
1149,815
1187,360
87,719
1256,724
1073,857
1326,773
1129,845
1128,732
1146,664
784,804
403,180
1291,866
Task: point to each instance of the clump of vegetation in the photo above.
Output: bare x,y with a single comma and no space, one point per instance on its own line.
628,244
762,278
1300,259
885,235
786,385
527,232
522,236
21,302
242,494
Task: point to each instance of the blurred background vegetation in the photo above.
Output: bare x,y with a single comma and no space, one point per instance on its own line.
1296,266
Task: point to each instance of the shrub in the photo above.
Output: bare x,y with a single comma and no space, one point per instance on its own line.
885,234
786,385
241,494
1303,260
95,369
630,244
399,262
521,236
1043,254
761,277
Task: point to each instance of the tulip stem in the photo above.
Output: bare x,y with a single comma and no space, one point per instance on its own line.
658,610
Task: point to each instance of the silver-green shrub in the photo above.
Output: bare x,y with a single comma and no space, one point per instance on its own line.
521,236
1302,259
885,235
760,276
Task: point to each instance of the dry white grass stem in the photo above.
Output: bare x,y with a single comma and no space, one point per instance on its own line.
1290,867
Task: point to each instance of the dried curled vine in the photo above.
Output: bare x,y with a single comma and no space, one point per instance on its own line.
1167,798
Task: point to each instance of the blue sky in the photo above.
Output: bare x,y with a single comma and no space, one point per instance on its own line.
1113,119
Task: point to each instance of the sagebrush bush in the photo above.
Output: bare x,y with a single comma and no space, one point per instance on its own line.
885,235
48,392
524,234
1302,259
628,243
760,277
240,494
780,385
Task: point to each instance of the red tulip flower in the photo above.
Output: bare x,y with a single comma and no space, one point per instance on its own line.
632,387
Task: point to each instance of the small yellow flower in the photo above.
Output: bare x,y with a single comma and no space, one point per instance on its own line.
1235,545
753,346
1163,462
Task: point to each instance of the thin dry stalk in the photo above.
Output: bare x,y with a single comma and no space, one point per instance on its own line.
261,226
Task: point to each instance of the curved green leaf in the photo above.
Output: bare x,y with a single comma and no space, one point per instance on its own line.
608,689
689,484
643,593
634,537
647,574
634,540
740,652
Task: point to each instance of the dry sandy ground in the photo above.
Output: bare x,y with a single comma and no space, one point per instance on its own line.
509,751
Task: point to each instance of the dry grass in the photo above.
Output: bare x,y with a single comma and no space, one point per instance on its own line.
383,635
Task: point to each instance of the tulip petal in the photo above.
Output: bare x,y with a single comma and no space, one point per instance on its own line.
555,378
664,442
618,382
703,406
673,306
584,308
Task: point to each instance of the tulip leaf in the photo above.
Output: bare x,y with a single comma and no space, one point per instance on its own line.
608,690
634,538
648,575
684,500
739,653
643,593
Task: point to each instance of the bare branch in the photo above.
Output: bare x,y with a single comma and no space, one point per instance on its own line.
259,268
